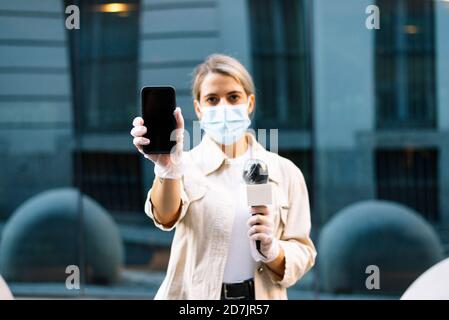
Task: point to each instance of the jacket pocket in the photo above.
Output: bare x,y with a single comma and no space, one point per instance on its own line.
280,220
284,213
281,211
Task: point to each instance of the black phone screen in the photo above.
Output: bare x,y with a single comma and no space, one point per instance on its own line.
158,104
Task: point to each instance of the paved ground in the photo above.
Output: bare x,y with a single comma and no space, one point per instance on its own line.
143,285
142,282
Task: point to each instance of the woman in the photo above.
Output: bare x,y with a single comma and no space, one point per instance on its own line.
202,194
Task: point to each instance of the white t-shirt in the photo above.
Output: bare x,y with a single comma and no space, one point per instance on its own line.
239,264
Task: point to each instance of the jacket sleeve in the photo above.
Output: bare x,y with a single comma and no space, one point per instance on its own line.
184,207
300,252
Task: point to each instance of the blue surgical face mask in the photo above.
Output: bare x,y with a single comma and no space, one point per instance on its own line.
226,124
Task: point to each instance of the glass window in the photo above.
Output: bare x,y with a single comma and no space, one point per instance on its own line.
405,66
113,179
108,44
303,159
280,52
409,177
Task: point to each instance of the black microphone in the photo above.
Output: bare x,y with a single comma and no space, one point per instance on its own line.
258,190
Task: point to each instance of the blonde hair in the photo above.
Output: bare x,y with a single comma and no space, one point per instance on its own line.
225,65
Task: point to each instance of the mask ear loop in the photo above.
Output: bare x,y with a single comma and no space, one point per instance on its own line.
250,139
250,145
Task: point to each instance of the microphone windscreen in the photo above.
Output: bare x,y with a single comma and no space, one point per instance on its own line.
255,172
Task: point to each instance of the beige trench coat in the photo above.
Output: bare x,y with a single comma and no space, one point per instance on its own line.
203,230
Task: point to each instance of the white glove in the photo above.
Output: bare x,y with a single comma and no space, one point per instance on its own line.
167,166
261,227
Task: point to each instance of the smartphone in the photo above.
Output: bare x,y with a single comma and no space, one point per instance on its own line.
158,105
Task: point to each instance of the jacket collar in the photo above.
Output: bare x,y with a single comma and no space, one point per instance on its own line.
209,156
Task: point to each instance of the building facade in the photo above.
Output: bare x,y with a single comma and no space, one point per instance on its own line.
363,112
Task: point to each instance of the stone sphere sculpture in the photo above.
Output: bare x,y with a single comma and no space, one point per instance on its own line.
375,239
57,231
5,293
431,285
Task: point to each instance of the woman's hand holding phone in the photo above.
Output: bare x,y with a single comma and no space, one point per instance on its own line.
166,166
